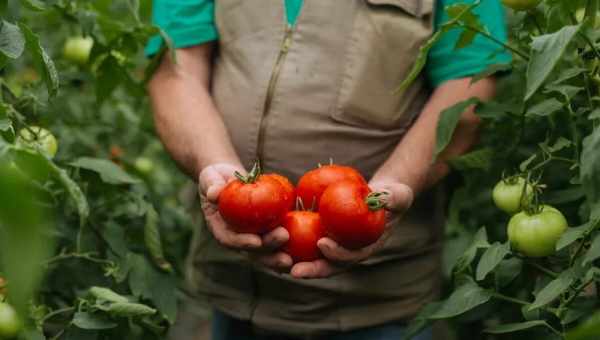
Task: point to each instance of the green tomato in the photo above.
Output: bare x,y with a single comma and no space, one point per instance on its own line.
507,195
10,325
521,5
144,165
535,235
38,138
77,49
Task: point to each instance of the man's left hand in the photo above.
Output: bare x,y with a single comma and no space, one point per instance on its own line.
398,199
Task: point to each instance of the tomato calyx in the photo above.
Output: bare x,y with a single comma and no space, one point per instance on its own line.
375,200
252,175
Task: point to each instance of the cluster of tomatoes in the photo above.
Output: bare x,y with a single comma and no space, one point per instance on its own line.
533,229
341,207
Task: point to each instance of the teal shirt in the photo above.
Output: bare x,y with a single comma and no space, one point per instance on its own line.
191,22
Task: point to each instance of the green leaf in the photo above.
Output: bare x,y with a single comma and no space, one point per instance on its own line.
491,258
152,240
590,172
12,42
107,294
34,5
420,62
507,271
148,283
24,241
593,252
109,172
44,64
447,124
545,108
553,289
571,235
546,51
514,327
588,330
462,300
86,320
421,321
129,309
465,260
476,159
74,192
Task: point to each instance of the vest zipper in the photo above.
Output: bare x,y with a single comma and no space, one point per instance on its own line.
283,51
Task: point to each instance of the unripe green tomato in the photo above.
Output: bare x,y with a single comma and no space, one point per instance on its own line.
10,325
507,195
521,5
535,235
77,49
38,138
144,165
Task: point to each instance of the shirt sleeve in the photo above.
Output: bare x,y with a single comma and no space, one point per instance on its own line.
446,63
186,22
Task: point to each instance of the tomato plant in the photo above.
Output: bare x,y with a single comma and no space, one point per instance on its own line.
88,215
534,275
314,182
305,229
352,215
255,203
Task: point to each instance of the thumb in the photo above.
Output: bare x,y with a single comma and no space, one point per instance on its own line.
211,182
399,195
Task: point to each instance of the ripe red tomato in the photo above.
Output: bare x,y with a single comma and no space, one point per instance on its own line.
313,183
255,203
289,189
305,230
352,215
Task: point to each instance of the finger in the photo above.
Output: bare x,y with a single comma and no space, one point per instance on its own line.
336,253
230,238
279,261
314,270
213,192
399,196
275,238
211,177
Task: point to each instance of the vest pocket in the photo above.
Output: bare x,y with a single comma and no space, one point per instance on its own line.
381,49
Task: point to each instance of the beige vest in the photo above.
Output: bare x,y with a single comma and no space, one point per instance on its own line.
296,97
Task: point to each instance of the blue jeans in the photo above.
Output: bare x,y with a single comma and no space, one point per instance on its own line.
225,327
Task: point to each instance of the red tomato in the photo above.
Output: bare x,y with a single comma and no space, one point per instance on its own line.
305,230
254,204
289,189
352,215
312,185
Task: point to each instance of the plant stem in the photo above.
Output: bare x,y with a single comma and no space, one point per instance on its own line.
542,269
57,312
494,39
510,299
84,256
590,43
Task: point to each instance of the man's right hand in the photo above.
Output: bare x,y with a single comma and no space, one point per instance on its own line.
263,249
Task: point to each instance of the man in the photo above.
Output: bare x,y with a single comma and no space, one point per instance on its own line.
294,83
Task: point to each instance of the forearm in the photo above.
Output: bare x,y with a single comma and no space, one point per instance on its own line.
412,161
185,115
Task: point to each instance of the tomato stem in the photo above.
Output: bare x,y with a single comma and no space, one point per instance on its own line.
252,175
375,200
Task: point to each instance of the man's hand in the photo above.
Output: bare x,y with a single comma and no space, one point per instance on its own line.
211,182
398,199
